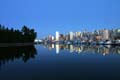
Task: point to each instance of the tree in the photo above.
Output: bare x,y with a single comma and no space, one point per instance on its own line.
15,36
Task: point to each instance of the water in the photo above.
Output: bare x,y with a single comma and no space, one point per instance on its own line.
60,62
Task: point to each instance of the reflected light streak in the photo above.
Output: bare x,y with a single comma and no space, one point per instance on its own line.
57,48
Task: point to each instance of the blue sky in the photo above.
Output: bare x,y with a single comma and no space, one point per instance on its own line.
48,16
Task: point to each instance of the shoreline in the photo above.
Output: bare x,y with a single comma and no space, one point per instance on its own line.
15,44
32,43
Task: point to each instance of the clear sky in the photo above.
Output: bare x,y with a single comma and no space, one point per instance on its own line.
49,16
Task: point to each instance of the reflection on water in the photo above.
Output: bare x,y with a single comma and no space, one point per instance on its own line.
60,62
98,49
57,48
12,53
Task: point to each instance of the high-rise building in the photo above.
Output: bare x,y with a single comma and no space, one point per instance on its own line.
78,34
61,37
116,34
105,34
53,38
57,36
71,35
49,38
67,37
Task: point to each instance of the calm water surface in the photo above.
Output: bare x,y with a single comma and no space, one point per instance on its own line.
60,62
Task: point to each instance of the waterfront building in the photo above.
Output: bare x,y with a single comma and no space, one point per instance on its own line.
77,34
53,38
61,37
117,34
49,38
105,35
57,36
67,37
71,35
98,36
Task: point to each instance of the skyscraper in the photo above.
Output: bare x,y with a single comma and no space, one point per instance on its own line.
57,36
71,35
105,35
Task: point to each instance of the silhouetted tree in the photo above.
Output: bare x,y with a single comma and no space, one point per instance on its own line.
12,36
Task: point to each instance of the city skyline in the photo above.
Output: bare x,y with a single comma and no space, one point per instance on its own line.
101,32
49,16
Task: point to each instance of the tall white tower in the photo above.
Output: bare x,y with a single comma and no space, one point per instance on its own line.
57,36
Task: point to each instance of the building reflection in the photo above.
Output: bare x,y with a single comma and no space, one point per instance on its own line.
57,48
12,53
53,46
95,49
71,48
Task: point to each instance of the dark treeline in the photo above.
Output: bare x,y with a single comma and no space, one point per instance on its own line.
16,36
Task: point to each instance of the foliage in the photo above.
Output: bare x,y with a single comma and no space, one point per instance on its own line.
17,36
